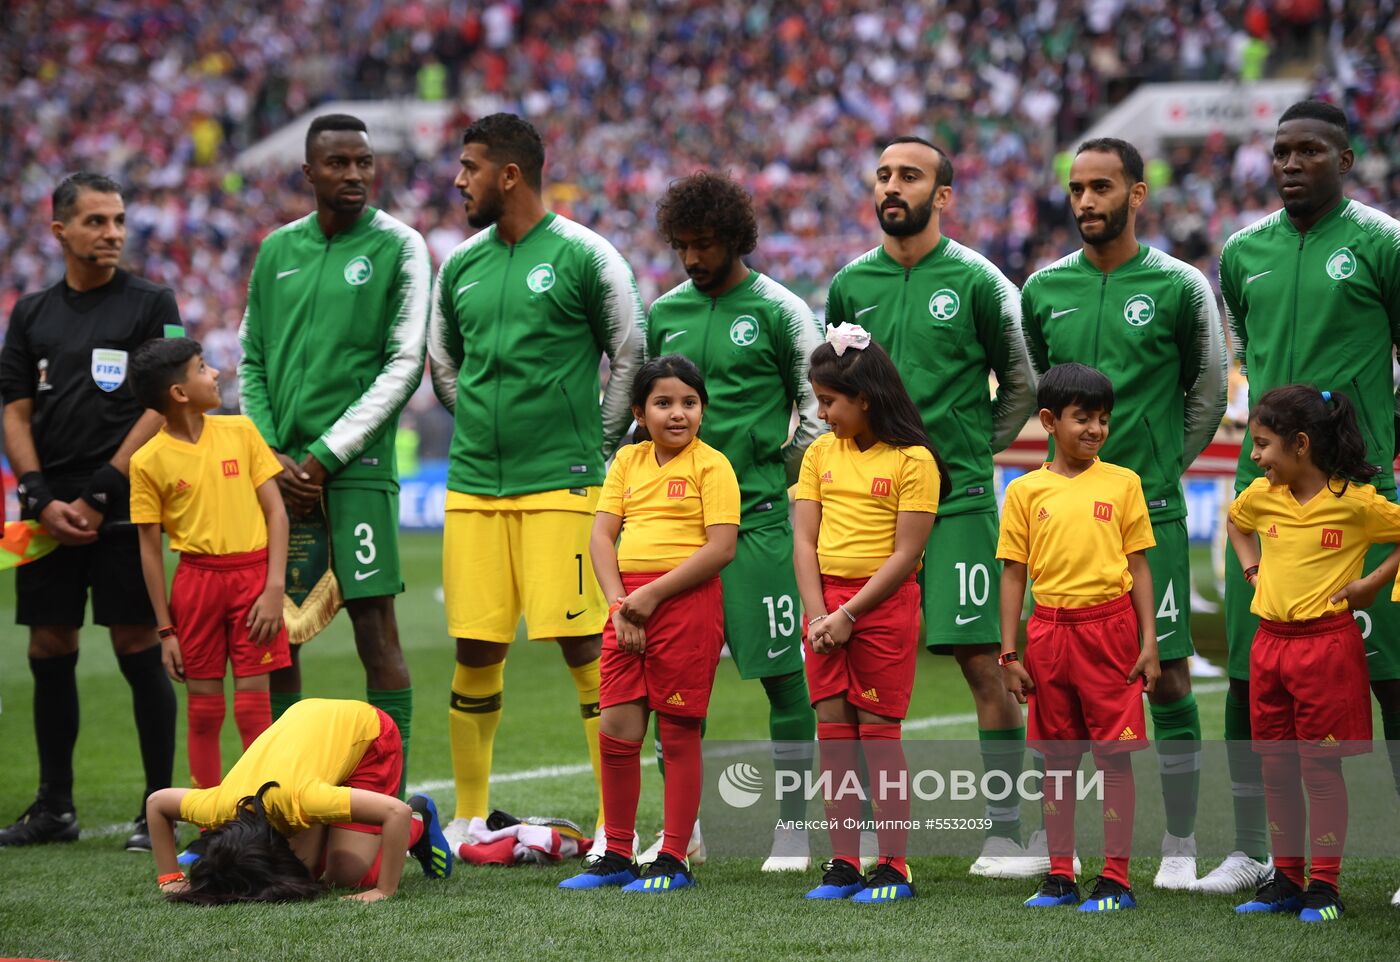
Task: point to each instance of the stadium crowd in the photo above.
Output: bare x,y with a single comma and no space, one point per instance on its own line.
163,97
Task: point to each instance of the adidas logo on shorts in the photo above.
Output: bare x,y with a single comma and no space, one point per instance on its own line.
870,694
676,699
1127,734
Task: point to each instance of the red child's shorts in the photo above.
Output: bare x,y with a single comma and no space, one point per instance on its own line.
209,602
874,670
380,769
1079,660
676,671
1308,683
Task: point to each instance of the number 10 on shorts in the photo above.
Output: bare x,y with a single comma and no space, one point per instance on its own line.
974,584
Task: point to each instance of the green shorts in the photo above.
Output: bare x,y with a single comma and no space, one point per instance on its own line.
961,583
762,609
1170,562
1380,623
364,527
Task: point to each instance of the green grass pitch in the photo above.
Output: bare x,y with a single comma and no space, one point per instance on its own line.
92,901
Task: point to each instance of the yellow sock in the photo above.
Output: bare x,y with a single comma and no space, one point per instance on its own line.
471,724
586,681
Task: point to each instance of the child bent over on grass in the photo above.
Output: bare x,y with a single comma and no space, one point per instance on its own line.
312,799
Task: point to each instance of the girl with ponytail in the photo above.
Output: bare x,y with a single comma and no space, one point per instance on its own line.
1301,534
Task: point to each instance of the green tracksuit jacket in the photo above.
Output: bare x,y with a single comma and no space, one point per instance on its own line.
515,338
947,322
333,341
752,345
1321,308
1153,328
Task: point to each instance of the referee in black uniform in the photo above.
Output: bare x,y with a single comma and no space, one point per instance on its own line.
71,425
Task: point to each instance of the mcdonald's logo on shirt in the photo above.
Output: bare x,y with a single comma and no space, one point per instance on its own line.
1103,511
675,489
1332,537
880,487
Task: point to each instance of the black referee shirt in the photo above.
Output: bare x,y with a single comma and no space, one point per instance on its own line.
71,352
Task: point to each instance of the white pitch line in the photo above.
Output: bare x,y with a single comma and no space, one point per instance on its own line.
572,771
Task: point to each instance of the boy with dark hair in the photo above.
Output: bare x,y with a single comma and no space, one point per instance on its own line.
1079,527
1150,324
209,481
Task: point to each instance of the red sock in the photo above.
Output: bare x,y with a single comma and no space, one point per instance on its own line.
889,788
206,717
1119,803
371,878
1327,816
252,712
622,786
680,750
1283,800
839,744
1058,810
415,831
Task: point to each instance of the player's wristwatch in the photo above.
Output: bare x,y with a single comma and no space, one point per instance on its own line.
1007,657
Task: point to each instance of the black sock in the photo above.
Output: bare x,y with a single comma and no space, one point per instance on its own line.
56,727
153,701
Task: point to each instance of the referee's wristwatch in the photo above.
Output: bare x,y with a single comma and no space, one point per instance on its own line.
1007,657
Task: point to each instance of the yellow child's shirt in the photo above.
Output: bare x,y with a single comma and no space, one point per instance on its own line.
666,508
309,752
1074,535
861,494
205,494
1310,551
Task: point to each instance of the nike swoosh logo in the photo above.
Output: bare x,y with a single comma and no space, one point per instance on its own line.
571,615
960,620
1254,277
467,287
777,654
866,310
1372,654
1162,638
667,338
362,575
1068,310
282,274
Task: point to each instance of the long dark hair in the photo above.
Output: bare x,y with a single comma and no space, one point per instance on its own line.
892,415
1328,419
247,860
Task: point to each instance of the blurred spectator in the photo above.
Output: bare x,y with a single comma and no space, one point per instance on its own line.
792,98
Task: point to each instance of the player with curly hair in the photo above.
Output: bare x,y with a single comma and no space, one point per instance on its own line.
751,338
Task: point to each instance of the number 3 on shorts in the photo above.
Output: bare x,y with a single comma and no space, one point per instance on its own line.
365,553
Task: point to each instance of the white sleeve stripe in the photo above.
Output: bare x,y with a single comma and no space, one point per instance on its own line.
624,321
396,381
1206,398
